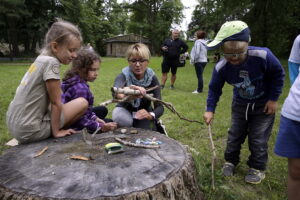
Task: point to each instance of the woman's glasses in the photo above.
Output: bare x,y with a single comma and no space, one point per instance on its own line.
134,61
234,55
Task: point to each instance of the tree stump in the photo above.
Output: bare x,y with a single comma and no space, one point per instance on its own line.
167,172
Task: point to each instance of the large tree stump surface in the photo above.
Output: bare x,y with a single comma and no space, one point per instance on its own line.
137,173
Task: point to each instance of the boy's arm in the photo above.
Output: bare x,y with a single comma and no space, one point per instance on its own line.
215,91
276,73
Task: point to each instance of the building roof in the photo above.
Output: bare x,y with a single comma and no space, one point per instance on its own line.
129,38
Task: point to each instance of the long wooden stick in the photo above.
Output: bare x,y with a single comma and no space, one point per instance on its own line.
132,92
213,158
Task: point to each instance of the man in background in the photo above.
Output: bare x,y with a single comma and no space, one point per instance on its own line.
172,48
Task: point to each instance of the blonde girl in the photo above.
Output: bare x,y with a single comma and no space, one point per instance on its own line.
36,112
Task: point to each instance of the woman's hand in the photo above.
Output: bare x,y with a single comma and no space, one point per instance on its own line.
143,114
110,126
208,117
63,133
141,89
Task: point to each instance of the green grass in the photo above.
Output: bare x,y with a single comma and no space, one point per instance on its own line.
192,106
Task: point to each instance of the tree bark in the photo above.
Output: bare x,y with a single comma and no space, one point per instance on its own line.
166,173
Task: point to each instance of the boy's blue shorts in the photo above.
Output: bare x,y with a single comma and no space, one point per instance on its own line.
288,138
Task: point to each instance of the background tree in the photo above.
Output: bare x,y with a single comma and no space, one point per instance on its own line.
273,23
153,19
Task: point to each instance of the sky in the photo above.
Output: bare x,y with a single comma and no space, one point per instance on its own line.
187,13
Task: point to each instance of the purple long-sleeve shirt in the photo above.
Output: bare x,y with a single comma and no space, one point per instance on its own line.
76,87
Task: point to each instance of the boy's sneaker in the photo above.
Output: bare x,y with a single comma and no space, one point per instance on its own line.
162,86
172,87
254,176
228,169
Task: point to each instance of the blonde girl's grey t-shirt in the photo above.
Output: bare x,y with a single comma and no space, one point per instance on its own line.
30,104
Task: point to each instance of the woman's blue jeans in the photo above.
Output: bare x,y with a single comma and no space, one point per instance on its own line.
199,68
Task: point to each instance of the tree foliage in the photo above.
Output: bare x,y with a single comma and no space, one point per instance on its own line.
273,23
153,19
23,23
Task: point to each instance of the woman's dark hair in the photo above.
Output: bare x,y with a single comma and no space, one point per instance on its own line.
200,34
82,63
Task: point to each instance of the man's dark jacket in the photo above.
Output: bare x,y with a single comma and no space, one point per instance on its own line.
175,48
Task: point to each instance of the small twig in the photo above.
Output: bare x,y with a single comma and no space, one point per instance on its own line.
136,145
79,158
41,152
213,158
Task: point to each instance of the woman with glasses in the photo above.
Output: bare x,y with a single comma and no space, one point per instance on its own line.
138,112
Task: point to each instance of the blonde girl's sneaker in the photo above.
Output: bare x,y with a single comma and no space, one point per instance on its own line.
228,169
254,176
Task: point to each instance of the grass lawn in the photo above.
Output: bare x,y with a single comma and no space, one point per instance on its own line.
191,106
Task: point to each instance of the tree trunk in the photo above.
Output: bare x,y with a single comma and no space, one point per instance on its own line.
137,173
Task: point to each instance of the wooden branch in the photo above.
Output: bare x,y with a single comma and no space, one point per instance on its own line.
214,156
132,92
136,145
170,107
106,103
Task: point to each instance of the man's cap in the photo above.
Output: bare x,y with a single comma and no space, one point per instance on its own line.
230,31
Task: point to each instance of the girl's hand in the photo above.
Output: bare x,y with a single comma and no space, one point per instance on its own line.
143,114
100,121
110,126
63,133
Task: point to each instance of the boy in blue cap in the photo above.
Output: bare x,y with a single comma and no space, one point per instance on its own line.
257,77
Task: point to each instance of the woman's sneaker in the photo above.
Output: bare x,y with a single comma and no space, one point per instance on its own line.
254,176
228,169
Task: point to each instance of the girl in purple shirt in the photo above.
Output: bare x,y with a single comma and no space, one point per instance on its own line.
85,69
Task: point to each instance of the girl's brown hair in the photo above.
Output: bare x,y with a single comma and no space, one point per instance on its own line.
82,63
60,32
200,34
